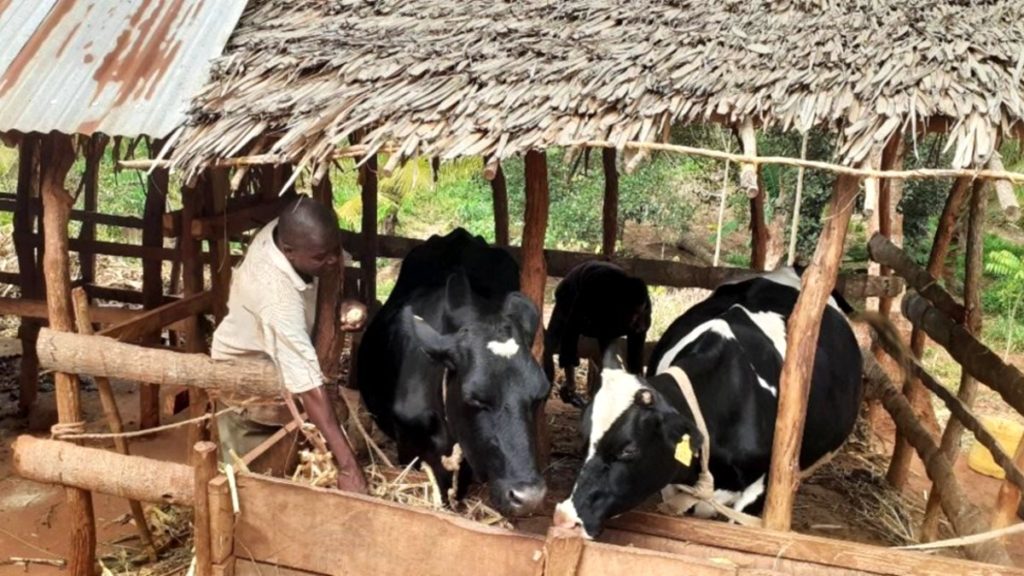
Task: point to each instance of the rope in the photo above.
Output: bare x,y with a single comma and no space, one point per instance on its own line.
679,498
73,430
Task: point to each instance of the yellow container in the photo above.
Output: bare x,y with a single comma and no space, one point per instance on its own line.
1008,433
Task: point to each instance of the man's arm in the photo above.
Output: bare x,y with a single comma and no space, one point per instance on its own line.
318,407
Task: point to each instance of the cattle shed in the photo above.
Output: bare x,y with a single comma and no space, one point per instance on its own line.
295,85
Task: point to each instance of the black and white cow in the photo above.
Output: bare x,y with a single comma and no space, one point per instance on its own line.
731,346
599,300
447,360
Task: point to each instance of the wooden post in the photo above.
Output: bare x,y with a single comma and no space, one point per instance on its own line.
91,179
534,272
758,228
113,417
950,444
192,283
368,262
1008,499
499,195
152,277
220,248
28,268
802,337
205,469
611,203
327,339
899,466
57,157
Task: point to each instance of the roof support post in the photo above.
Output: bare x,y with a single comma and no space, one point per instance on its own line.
610,218
899,466
368,262
192,283
94,149
152,276
58,155
534,273
327,339
950,443
499,195
28,268
802,336
751,183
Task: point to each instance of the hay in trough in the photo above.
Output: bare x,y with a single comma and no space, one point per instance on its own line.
171,527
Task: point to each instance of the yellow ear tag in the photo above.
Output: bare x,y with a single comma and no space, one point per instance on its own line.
684,454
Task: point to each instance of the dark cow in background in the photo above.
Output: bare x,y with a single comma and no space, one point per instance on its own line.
731,346
447,360
599,300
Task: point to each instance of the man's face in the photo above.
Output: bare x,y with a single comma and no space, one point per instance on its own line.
312,256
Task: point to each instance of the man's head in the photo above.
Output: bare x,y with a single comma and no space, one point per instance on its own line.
307,234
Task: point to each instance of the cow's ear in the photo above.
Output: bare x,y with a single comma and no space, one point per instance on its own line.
436,345
458,292
674,426
523,313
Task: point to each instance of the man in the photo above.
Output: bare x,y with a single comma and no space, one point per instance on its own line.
271,310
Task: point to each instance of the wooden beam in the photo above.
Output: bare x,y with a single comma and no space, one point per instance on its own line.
58,155
153,321
965,517
28,268
103,471
899,465
533,271
239,220
884,252
192,283
10,278
499,199
950,443
37,310
1004,190
802,336
106,357
7,204
654,272
204,471
157,187
124,295
368,260
610,212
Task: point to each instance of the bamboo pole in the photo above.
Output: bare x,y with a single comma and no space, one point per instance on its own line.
499,195
204,470
899,465
610,212
28,268
950,443
57,158
802,335
368,262
152,277
113,418
534,268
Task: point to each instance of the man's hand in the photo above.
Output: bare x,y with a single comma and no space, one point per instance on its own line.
317,406
352,316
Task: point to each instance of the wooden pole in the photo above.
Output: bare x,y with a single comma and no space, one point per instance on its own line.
28,268
1004,190
610,221
205,469
220,248
113,417
534,272
94,148
802,337
327,339
368,262
192,283
758,229
965,517
892,256
152,277
57,157
899,466
950,443
499,195
1008,500
106,472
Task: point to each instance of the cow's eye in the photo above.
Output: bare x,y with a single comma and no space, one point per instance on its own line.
628,453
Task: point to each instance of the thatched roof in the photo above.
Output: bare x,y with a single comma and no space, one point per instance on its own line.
473,77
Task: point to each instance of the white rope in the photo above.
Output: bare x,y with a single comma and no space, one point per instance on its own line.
796,204
721,213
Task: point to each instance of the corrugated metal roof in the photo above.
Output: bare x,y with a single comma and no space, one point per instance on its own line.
121,67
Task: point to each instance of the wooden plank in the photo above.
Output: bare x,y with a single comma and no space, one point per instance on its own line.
803,548
36,309
203,472
274,527
246,567
153,321
278,454
654,272
222,521
608,560
239,220
801,337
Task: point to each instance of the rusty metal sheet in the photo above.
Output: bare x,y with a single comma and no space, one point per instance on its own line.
120,67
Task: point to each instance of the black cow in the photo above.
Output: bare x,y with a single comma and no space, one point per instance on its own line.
447,360
599,300
731,346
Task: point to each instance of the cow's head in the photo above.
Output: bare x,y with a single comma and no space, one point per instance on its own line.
492,392
633,436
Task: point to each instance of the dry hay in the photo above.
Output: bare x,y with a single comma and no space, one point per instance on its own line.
171,527
398,485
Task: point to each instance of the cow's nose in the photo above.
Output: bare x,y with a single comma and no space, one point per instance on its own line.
526,499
